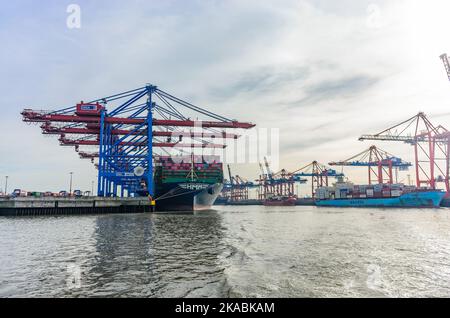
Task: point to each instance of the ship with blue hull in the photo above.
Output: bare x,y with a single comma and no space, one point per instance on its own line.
346,194
425,199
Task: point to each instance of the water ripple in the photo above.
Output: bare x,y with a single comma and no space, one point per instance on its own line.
234,252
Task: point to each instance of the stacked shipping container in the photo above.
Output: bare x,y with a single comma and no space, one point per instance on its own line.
206,169
347,190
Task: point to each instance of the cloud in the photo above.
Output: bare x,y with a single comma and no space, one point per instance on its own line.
315,69
262,80
330,90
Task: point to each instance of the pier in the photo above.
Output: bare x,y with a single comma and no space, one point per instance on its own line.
72,206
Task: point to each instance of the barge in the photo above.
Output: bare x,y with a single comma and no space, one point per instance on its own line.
280,201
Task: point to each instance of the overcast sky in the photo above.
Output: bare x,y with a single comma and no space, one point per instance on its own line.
322,71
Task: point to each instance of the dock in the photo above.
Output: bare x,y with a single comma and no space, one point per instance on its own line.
29,206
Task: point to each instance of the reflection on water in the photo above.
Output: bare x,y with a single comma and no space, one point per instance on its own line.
236,251
158,255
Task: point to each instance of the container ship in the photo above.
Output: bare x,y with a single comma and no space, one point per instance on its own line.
187,183
346,194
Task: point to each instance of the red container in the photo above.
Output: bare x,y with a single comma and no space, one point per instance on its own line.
92,126
377,194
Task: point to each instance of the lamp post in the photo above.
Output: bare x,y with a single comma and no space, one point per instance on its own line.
70,191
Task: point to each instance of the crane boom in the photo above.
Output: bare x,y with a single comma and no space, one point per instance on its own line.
269,172
262,170
444,59
230,175
48,129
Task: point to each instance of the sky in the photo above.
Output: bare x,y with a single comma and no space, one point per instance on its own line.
323,72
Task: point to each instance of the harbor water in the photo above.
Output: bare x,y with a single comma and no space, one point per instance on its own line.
234,251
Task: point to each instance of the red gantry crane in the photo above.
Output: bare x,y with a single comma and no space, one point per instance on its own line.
431,148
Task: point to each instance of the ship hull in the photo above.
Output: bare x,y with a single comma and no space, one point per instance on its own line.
288,202
186,197
429,199
205,199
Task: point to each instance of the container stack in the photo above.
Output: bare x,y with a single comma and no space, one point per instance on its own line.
189,168
347,190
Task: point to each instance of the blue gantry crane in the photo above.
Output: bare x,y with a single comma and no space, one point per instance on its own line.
380,164
237,189
125,129
280,183
319,174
